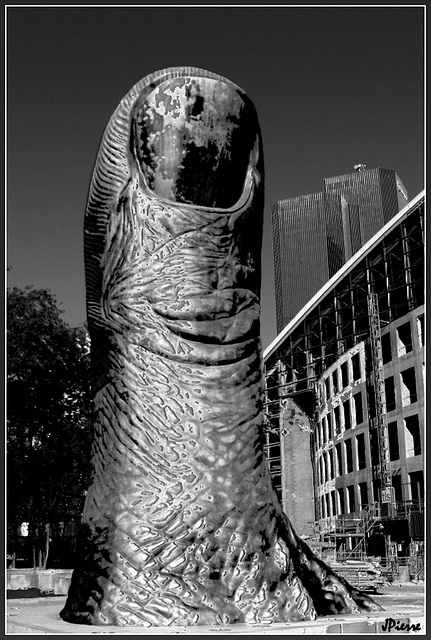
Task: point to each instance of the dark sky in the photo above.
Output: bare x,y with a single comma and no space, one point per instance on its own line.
333,87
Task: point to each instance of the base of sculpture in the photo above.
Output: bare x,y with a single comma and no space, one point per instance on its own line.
42,617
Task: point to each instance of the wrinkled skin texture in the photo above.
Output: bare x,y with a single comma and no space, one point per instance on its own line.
181,525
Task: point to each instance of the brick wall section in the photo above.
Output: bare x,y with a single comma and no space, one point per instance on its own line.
297,472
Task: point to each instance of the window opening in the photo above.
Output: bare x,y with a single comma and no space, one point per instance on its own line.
404,339
390,393
341,500
327,388
376,490
363,494
339,460
337,420
330,429
394,448
322,470
358,408
398,489
408,387
421,330
334,503
416,485
386,348
351,498
347,414
412,436
335,384
345,374
349,455
330,465
360,442
356,366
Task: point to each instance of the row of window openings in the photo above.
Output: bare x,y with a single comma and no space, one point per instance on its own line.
354,498
404,340
339,379
408,391
331,424
344,416
331,463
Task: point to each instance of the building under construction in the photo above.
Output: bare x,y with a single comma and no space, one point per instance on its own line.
345,403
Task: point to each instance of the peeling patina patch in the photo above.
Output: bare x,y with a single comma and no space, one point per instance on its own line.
194,141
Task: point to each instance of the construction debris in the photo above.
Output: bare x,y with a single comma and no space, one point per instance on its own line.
367,576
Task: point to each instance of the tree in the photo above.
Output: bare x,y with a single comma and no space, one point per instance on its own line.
48,414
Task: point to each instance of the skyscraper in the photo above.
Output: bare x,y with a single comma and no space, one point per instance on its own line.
311,241
374,197
315,234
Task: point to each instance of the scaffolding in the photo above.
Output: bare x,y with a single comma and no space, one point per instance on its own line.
377,381
392,270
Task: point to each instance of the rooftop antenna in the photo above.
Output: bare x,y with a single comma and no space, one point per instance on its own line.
359,167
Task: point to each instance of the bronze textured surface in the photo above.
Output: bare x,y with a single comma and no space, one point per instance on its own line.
181,525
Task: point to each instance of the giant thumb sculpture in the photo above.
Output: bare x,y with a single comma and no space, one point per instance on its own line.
181,525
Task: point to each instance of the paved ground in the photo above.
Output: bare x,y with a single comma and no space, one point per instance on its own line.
404,594
404,604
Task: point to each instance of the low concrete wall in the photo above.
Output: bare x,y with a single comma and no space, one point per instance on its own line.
52,580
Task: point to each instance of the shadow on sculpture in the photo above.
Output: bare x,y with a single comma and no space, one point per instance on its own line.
181,525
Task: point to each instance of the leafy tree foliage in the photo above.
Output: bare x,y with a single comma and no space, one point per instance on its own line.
48,413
